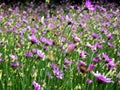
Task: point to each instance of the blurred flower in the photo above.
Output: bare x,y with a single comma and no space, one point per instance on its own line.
119,82
97,45
83,54
89,5
67,61
14,64
45,47
51,26
34,50
71,47
105,56
28,54
97,59
111,45
106,24
111,65
0,31
101,78
1,59
109,36
62,38
105,31
89,81
10,9
33,30
40,54
118,54
37,86
58,73
74,27
65,67
13,57
46,41
100,7
76,38
91,66
33,39
49,75
82,67
94,35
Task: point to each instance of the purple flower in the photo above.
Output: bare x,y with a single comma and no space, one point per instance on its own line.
67,61
101,78
51,26
106,24
0,31
111,65
74,27
91,66
33,30
83,54
100,8
1,59
10,9
109,61
81,67
33,39
97,45
13,57
58,73
49,75
65,67
110,44
2,44
71,47
46,47
76,38
118,54
89,5
104,30
62,38
46,41
105,56
97,59
40,54
119,82
34,50
94,35
37,86
109,36
89,81
28,54
14,64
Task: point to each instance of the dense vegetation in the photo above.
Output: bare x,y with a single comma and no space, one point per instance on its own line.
65,47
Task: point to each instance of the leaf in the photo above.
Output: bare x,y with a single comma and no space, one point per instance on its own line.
0,74
47,1
119,75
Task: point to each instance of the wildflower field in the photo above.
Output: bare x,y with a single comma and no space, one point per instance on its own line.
59,47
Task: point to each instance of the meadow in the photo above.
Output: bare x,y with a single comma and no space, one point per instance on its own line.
59,47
